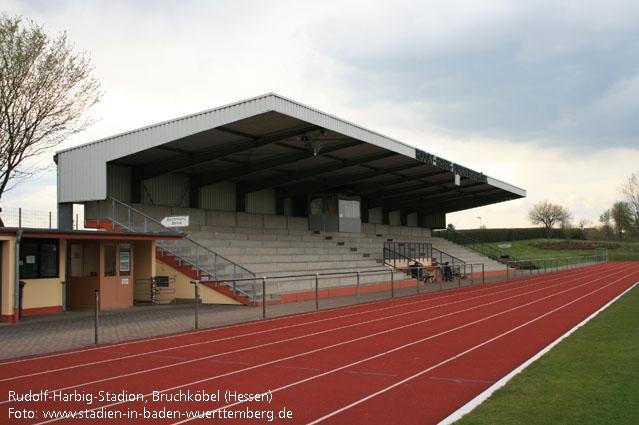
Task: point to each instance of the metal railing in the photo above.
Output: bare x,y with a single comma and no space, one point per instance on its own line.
204,261
395,252
37,219
401,252
480,247
543,265
437,277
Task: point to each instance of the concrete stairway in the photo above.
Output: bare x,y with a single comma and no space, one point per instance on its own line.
281,252
467,255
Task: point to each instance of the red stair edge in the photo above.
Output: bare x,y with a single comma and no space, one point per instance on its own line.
188,270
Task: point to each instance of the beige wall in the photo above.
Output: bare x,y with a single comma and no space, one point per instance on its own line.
184,289
46,292
8,273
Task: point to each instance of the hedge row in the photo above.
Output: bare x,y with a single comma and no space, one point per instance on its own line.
506,235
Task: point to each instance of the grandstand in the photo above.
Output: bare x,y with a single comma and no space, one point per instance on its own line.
270,187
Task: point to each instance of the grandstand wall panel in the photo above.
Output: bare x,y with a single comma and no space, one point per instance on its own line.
219,196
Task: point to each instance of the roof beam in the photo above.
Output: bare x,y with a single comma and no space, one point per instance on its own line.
239,170
403,179
300,175
326,184
405,194
436,204
195,158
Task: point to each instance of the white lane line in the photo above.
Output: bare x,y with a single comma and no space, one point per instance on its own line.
150,353
348,342
472,404
409,345
492,285
403,381
272,343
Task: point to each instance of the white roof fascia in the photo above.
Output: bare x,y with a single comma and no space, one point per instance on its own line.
82,169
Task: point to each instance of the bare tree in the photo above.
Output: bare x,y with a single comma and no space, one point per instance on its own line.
549,214
630,190
45,91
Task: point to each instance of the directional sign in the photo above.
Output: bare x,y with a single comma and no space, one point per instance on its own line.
176,221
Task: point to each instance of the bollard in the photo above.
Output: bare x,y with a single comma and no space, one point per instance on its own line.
97,315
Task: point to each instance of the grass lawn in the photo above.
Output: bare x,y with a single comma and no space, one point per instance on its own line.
524,250
592,377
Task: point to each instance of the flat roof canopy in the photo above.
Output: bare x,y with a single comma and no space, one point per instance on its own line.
273,142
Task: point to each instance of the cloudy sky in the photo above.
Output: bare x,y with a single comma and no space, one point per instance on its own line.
541,94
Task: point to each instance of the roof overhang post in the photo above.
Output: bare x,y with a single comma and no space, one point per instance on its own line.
65,215
194,192
385,215
240,198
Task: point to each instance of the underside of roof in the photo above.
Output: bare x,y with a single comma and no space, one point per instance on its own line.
286,146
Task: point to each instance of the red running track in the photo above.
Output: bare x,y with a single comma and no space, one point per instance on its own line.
413,360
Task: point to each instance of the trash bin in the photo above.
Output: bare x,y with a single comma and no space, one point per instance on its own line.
20,299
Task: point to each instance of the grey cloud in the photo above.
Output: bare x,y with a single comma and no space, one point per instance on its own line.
511,73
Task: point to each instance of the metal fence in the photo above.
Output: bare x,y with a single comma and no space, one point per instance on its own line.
401,253
38,219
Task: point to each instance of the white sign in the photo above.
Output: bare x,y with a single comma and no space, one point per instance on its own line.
505,245
125,281
176,221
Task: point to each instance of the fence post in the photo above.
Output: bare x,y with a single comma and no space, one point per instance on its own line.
392,283
483,277
19,217
97,315
316,291
264,297
472,276
358,287
196,299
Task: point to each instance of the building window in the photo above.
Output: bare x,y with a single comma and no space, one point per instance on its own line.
109,260
348,209
125,259
39,258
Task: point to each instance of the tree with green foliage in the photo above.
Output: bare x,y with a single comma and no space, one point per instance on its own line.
45,92
630,190
606,226
621,215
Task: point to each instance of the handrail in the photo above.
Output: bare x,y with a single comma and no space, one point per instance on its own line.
412,251
201,252
409,251
469,242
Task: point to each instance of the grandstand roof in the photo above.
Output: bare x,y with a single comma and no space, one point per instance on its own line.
273,142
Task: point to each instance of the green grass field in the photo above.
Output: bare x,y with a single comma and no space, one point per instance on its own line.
525,250
592,377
